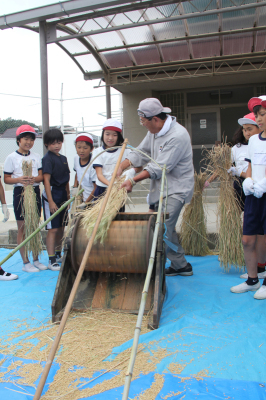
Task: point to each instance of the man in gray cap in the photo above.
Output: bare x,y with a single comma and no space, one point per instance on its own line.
167,142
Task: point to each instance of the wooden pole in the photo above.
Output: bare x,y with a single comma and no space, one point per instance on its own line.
39,228
76,283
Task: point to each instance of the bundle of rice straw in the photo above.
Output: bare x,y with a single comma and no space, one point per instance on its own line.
229,211
193,227
30,214
117,199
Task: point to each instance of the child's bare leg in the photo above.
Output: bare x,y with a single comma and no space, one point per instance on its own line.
59,238
251,256
51,241
20,238
261,249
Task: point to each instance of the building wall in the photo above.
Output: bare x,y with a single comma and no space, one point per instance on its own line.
132,128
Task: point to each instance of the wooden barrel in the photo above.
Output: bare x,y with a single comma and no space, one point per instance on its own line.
126,248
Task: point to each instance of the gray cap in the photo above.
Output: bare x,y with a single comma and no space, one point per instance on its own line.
151,107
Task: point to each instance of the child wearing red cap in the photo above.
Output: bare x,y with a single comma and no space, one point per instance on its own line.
105,163
13,175
84,148
254,187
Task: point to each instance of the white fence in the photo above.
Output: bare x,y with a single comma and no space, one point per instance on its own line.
9,145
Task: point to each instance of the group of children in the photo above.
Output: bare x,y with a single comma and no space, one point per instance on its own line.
254,188
248,156
53,171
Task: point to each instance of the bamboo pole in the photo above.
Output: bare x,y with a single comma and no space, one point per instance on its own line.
76,283
39,228
129,373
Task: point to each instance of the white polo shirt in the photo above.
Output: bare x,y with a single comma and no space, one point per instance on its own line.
108,161
89,178
239,155
13,165
257,156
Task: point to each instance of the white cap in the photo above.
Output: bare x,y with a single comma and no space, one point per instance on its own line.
151,107
112,124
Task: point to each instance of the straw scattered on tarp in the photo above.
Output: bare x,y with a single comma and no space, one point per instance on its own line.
30,214
193,228
83,357
117,199
229,210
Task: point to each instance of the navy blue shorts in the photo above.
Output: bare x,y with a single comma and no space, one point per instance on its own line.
59,196
99,191
17,201
255,216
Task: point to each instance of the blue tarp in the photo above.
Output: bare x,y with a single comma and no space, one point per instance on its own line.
204,327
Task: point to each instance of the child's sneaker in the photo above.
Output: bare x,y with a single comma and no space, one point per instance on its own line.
39,265
6,276
261,293
261,275
29,268
54,267
244,287
59,259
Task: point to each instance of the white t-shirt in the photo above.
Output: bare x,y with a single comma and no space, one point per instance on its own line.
257,156
13,165
239,155
108,161
89,178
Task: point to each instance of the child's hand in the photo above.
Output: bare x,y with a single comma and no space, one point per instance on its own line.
31,180
24,180
128,185
52,207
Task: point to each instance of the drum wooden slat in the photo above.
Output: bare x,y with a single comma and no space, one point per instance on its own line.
126,248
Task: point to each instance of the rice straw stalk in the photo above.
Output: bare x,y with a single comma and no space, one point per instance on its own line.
229,211
193,227
117,199
30,214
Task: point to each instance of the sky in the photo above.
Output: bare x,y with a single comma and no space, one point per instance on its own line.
20,75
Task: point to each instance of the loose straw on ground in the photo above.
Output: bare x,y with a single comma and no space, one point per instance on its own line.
76,283
229,211
193,227
30,214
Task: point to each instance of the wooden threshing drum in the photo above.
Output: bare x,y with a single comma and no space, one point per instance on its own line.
126,248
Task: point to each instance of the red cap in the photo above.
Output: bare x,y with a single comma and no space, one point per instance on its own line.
25,129
248,119
84,137
257,101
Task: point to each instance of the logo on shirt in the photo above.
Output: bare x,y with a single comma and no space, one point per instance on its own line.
160,148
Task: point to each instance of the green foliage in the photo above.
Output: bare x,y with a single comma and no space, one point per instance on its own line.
13,123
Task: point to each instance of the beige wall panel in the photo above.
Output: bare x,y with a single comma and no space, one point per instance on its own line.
132,128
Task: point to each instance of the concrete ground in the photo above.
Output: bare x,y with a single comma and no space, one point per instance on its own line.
7,234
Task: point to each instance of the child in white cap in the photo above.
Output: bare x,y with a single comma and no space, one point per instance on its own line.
13,175
105,164
84,148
